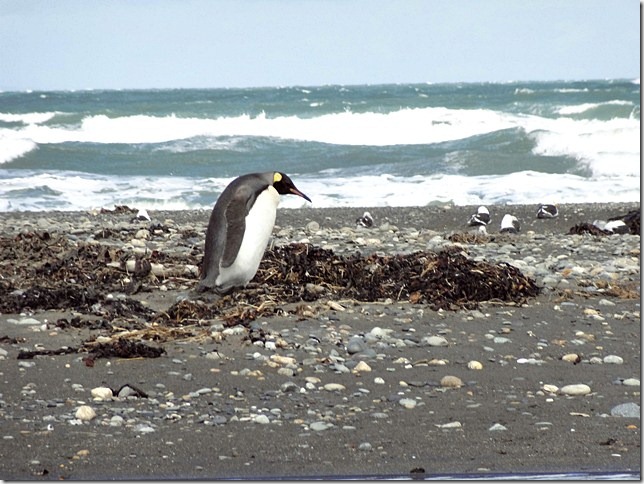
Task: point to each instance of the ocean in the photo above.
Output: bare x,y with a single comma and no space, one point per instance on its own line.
353,146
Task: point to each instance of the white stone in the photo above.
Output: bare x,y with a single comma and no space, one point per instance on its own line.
332,387
475,365
142,234
497,427
436,341
613,359
576,389
262,419
379,332
407,402
320,425
450,425
550,388
283,360
362,366
571,358
116,421
143,428
451,381
85,413
102,393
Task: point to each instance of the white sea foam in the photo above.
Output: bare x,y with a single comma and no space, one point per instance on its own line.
76,191
12,148
606,147
516,188
79,191
27,118
581,108
406,126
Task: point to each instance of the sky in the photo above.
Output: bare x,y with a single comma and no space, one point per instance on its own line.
140,44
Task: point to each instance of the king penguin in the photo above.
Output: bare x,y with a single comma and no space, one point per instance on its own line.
240,226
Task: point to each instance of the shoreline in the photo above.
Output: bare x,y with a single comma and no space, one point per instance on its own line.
327,386
439,217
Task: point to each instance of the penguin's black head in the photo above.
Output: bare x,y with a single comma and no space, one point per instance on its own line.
284,185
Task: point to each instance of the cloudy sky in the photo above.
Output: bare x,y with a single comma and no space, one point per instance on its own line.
81,44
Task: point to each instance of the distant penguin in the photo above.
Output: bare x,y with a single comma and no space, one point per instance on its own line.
478,221
142,214
509,224
546,210
239,229
617,227
481,217
365,221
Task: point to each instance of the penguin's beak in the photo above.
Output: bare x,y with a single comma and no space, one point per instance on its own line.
295,191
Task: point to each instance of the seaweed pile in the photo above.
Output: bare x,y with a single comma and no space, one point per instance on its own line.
43,271
301,272
443,280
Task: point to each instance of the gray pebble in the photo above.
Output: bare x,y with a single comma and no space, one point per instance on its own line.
628,410
320,425
365,446
435,341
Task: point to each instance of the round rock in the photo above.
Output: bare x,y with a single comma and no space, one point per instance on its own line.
613,359
85,413
576,389
450,381
629,410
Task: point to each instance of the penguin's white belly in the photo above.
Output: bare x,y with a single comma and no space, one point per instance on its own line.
259,226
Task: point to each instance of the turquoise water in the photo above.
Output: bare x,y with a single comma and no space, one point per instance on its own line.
381,145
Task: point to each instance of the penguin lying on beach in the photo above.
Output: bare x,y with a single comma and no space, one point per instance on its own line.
365,221
510,224
240,226
479,220
547,210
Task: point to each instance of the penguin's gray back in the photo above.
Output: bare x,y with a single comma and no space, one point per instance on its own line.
240,226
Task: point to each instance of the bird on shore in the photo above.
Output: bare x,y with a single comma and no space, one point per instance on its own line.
480,219
365,221
547,210
616,226
239,229
142,214
510,224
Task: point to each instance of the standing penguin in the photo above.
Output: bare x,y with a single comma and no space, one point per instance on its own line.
240,226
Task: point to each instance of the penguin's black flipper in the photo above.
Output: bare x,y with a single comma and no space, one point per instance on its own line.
239,206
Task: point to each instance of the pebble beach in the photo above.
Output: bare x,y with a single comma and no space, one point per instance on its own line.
332,388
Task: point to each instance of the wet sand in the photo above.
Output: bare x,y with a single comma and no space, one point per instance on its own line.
339,387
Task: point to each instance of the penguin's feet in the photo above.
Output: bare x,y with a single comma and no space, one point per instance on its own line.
200,293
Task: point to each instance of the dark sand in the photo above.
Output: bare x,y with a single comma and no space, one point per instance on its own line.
372,434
